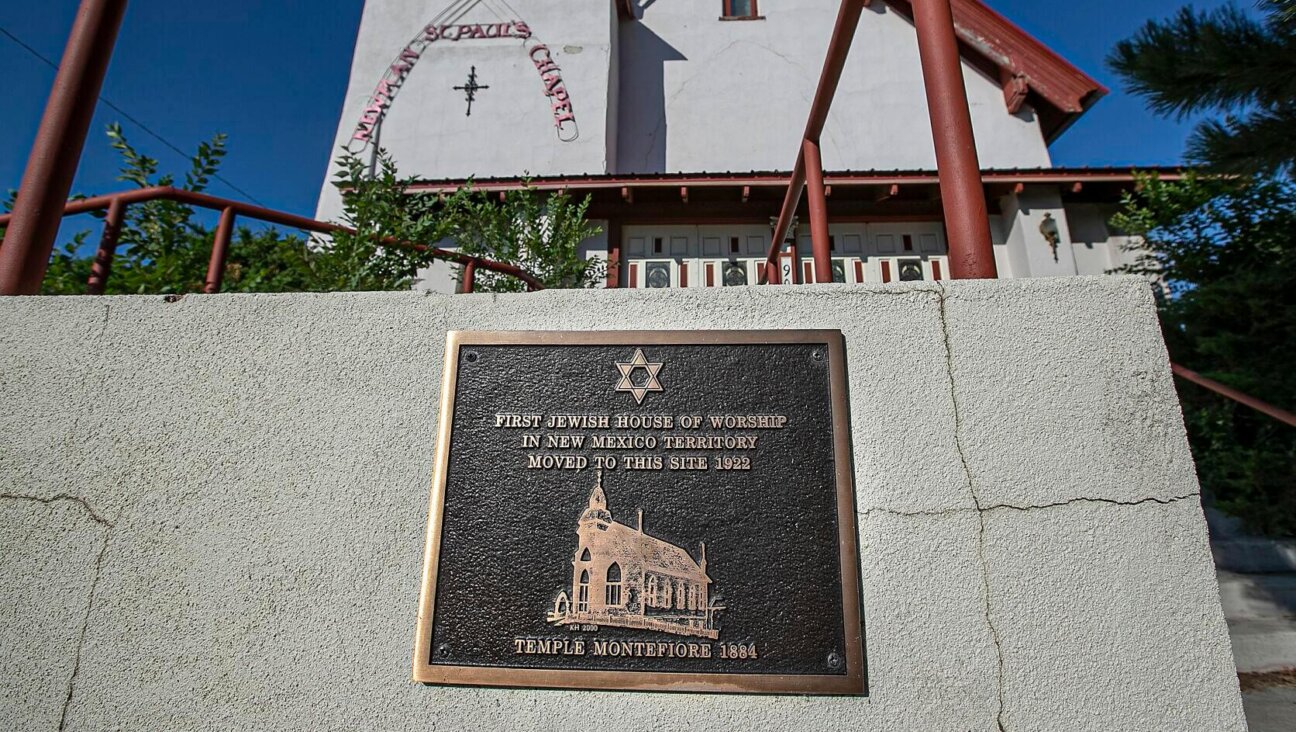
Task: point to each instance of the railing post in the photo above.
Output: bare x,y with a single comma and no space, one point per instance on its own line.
56,151
614,254
839,45
1229,392
794,251
220,249
102,265
967,223
772,274
818,202
117,203
469,277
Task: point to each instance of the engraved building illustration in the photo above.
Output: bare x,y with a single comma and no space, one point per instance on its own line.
623,577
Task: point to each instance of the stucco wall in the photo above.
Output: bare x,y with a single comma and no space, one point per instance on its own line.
213,511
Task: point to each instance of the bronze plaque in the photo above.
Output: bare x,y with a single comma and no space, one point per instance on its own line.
643,510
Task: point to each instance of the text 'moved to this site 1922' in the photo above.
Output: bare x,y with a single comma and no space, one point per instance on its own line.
658,510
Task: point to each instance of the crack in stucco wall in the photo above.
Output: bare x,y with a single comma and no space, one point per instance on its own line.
85,625
83,503
1036,507
103,324
1085,499
982,509
976,500
94,583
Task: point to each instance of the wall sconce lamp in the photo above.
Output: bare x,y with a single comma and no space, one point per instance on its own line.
1052,235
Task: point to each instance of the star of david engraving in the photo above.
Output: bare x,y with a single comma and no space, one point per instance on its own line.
628,368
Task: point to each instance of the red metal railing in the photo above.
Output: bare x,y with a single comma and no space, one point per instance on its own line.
1246,400
56,152
838,47
962,197
116,204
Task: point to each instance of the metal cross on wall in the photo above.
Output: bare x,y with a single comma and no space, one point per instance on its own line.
470,89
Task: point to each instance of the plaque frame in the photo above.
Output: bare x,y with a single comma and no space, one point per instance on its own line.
852,683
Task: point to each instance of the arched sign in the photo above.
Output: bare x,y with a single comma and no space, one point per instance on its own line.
556,90
446,28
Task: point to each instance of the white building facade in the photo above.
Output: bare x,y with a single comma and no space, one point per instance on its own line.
682,118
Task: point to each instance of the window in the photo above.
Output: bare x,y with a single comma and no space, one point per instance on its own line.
745,9
838,271
650,594
582,594
614,585
735,273
910,270
585,555
657,245
658,275
734,247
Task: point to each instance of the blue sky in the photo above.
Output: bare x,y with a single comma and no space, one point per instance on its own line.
272,76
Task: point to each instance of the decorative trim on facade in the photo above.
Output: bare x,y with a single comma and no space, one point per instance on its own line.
892,179
989,36
446,27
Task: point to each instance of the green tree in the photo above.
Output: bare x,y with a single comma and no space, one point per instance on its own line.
162,249
1222,61
538,233
1225,250
1223,247
381,210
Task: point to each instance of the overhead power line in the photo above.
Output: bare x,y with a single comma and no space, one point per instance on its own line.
129,117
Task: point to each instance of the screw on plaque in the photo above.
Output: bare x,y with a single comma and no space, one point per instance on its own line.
443,649
471,357
817,355
834,660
